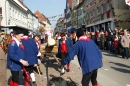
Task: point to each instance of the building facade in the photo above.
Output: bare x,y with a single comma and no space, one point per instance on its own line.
74,17
81,14
44,23
105,14
60,25
15,12
1,17
68,13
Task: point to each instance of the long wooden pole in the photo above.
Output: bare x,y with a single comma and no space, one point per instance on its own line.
2,68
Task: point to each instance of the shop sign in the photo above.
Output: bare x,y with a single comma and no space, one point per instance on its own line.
98,18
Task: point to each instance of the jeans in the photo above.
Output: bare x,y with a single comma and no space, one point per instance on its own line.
89,76
125,52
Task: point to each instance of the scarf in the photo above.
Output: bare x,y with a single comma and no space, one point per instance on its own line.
25,38
84,38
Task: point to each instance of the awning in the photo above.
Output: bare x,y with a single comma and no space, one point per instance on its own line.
14,27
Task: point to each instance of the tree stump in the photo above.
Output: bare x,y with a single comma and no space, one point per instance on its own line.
2,68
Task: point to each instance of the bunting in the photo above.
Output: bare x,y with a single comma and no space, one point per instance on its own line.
122,21
117,16
84,7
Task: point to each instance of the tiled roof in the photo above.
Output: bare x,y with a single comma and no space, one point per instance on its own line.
80,1
70,3
40,16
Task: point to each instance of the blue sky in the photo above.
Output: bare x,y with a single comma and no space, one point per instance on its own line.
48,7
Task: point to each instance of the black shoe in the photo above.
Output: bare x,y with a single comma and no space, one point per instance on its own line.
68,70
34,84
41,73
62,73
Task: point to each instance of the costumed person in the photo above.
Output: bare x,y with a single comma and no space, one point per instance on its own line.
73,35
15,57
89,57
31,51
37,66
65,44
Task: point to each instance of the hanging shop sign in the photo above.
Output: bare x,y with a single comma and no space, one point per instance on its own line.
98,18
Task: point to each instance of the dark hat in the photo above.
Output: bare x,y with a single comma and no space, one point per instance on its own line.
79,32
16,32
26,32
19,30
73,30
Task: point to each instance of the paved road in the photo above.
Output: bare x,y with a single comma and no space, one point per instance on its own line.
115,70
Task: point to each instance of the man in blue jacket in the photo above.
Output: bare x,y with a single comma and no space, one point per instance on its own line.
65,44
31,51
89,57
15,57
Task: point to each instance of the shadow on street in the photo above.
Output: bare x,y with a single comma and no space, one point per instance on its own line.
120,64
121,70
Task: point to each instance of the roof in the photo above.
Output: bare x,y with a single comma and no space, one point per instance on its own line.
40,16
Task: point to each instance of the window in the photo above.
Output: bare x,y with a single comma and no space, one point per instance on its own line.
13,13
81,21
16,14
10,9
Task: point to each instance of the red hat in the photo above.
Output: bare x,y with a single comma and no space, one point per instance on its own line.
62,34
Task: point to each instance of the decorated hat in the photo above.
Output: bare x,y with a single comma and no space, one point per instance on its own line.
62,34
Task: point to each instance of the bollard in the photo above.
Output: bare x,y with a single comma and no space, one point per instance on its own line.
2,68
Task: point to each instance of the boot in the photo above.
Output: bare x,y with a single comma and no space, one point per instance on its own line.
15,84
95,85
68,68
40,71
34,83
11,83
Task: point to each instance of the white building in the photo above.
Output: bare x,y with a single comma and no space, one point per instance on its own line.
14,12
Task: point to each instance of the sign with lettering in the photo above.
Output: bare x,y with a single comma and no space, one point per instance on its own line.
98,18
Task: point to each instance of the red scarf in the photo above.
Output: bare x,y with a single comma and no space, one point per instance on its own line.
84,38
